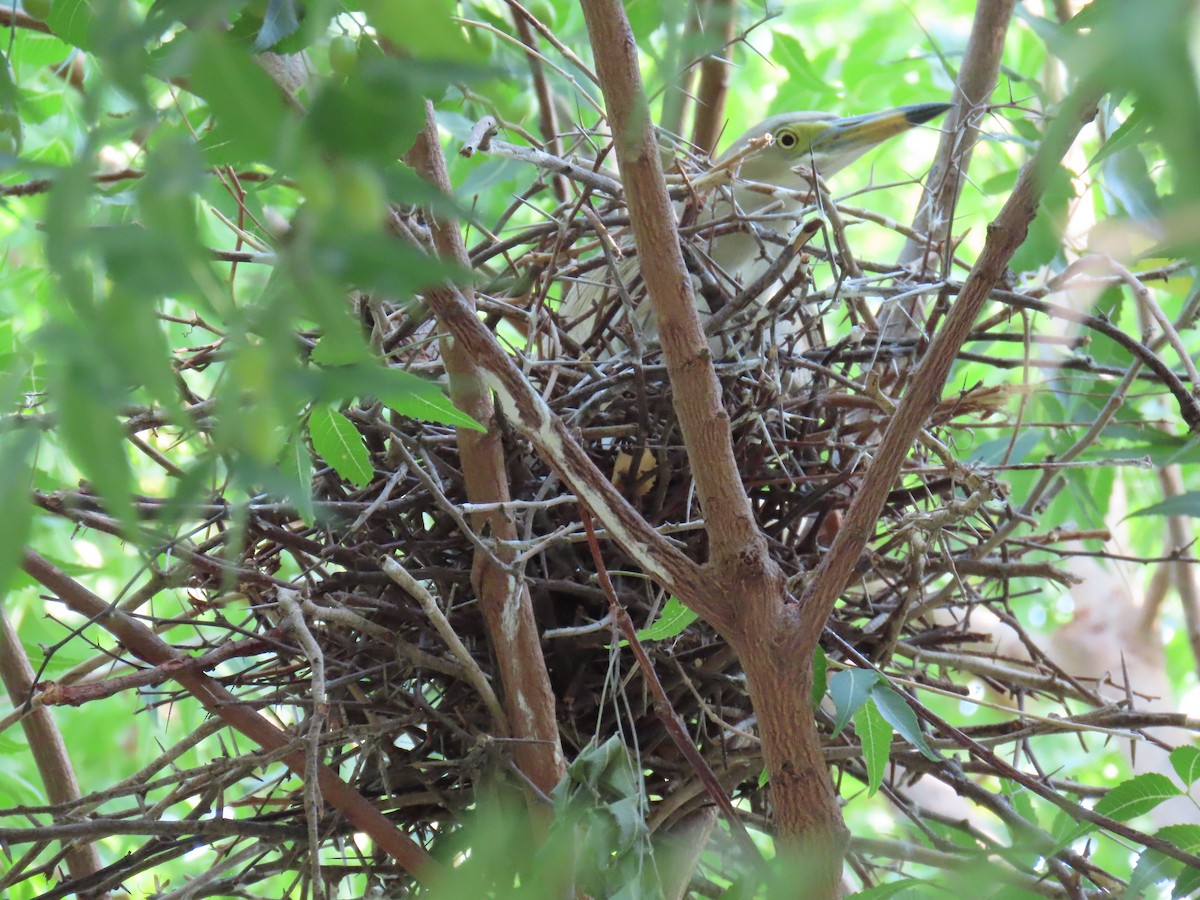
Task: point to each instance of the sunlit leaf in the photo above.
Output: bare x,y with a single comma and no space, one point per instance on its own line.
1186,762
339,443
672,620
1137,796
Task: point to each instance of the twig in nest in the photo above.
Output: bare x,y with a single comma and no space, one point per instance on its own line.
474,675
662,703
313,803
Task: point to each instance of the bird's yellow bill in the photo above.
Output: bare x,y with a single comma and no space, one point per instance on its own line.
863,132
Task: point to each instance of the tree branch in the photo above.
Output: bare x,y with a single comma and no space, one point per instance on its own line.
1005,235
734,537
147,646
504,600
976,80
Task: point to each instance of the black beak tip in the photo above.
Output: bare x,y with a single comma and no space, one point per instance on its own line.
924,112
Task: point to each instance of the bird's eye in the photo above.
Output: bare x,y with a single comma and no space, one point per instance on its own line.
787,140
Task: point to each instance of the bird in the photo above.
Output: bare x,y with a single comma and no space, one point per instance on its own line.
771,168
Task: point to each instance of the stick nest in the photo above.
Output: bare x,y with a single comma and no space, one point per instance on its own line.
803,378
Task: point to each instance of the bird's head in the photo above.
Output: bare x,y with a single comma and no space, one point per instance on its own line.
807,140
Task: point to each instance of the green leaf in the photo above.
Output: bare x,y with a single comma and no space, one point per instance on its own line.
896,710
16,474
672,620
403,392
250,116
8,90
1186,884
820,676
1137,796
93,436
374,116
371,261
279,21
72,20
422,27
340,350
875,735
1186,762
1044,241
1021,799
296,466
1152,867
849,690
338,442
1185,837
1185,504
410,395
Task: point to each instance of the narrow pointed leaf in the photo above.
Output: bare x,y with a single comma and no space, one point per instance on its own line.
820,676
673,620
894,708
875,735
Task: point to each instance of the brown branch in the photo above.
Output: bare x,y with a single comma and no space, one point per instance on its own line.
54,694
934,221
547,118
1189,406
146,645
550,38
1004,236
976,80
45,743
212,829
713,90
1000,768
10,18
663,707
734,538
505,600
42,185
743,594
555,443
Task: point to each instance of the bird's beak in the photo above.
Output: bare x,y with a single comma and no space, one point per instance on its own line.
858,134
